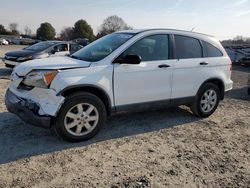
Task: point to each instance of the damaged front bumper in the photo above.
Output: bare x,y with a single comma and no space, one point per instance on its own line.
26,110
36,106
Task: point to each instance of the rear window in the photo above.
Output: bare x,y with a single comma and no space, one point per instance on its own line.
187,47
210,50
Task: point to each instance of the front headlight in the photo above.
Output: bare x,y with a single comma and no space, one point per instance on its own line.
24,58
40,78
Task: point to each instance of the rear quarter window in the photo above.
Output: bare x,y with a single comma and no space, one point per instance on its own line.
210,50
187,47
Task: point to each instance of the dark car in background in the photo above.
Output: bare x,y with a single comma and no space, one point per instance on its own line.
81,41
245,61
40,50
248,83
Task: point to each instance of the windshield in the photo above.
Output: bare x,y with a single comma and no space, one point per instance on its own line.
40,46
101,48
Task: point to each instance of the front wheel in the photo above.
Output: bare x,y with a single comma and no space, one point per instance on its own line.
207,100
80,117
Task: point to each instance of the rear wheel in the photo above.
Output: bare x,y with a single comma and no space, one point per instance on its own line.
80,117
207,100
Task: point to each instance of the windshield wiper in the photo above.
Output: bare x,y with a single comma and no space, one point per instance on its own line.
75,57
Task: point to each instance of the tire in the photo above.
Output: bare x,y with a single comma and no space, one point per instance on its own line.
248,91
80,117
199,107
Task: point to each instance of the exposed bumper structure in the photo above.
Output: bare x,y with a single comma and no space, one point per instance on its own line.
26,110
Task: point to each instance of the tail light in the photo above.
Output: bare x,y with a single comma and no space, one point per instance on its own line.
230,65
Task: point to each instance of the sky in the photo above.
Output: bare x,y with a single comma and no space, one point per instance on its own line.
223,19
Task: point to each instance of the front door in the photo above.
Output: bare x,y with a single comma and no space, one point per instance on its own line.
149,81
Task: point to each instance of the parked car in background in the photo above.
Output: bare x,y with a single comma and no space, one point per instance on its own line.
248,83
3,41
124,71
27,41
245,61
40,50
82,42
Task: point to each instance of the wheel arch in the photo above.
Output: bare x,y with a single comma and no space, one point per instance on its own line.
99,92
219,83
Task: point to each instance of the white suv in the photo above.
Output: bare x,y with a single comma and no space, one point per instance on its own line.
124,71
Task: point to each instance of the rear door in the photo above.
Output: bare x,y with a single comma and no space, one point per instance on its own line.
189,68
149,81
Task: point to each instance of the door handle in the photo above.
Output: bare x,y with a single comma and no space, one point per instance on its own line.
203,63
164,66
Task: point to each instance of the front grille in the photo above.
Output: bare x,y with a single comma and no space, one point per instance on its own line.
11,58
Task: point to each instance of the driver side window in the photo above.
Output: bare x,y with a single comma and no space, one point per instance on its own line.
61,48
151,48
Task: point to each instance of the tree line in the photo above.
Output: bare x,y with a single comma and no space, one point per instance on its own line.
81,29
237,40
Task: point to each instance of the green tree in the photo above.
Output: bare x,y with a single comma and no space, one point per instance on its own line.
112,24
82,29
46,32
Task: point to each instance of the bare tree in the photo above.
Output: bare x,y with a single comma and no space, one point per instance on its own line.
27,31
13,29
112,24
66,33
13,26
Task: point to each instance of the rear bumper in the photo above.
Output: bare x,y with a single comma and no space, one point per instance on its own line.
228,85
26,110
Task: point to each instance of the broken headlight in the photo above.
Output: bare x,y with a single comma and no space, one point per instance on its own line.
40,78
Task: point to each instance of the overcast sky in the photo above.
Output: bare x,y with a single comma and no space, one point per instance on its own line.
221,18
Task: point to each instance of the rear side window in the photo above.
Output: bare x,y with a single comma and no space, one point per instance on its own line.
187,47
210,50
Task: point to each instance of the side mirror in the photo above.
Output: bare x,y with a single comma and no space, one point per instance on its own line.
129,59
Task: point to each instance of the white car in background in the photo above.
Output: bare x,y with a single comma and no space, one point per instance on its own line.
3,41
124,71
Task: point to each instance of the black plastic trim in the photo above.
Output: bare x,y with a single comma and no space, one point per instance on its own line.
222,90
82,86
154,105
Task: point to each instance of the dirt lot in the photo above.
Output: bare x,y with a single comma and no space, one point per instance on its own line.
167,148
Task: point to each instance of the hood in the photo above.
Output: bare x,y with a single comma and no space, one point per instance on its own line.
20,53
54,63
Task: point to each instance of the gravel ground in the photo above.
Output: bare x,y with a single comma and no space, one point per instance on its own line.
166,148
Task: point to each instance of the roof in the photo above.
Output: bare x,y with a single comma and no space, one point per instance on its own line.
137,31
